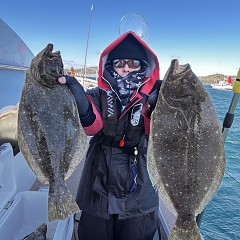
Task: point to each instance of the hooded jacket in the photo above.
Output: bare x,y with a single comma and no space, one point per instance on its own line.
115,178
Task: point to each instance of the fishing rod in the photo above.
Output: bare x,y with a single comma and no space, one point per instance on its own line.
227,122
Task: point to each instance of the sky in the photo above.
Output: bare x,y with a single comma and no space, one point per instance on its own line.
203,33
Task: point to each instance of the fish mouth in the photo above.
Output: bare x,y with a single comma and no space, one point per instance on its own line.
177,71
52,67
49,47
181,86
177,68
179,78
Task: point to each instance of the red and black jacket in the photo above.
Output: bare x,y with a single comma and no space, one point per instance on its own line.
152,75
118,146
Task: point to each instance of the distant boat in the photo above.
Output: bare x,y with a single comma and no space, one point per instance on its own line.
223,85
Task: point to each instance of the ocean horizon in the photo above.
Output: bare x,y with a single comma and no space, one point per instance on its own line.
221,219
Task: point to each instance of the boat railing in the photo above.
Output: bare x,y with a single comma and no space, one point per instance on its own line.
11,67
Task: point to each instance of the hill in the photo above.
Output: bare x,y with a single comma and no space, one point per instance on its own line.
215,78
93,71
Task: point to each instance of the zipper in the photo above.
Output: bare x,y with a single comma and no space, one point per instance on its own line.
136,92
111,87
133,96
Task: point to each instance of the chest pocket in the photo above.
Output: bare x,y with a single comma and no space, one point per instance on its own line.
135,126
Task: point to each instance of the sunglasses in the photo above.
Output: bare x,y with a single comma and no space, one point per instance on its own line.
132,63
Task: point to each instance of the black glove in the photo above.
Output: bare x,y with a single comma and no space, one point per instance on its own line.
152,99
79,94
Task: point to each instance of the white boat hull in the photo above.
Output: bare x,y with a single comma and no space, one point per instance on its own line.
222,87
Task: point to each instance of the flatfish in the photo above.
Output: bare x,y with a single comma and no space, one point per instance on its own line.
186,157
50,135
39,234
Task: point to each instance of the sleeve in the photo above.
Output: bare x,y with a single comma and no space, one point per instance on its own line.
150,106
95,125
153,97
89,116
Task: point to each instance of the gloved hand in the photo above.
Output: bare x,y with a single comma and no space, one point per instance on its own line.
78,92
152,99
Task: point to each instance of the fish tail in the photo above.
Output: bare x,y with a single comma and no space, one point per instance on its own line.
185,229
61,203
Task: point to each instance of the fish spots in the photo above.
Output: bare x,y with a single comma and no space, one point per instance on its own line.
187,159
50,134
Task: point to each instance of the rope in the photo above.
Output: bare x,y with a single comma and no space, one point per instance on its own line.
237,181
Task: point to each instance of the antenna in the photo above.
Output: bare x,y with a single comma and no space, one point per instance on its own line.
85,61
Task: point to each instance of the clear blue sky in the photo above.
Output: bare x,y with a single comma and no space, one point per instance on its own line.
204,33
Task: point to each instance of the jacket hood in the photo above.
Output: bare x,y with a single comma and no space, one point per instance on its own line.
152,72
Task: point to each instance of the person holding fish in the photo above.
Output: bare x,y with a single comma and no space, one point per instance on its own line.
115,193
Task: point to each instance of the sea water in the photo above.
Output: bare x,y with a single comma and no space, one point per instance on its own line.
221,219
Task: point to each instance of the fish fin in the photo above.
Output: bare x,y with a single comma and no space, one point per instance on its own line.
77,151
40,233
185,229
61,203
31,155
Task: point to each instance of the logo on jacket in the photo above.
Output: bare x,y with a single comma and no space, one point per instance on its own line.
136,114
110,106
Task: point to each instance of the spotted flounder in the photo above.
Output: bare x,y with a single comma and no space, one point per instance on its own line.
39,234
50,135
186,157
